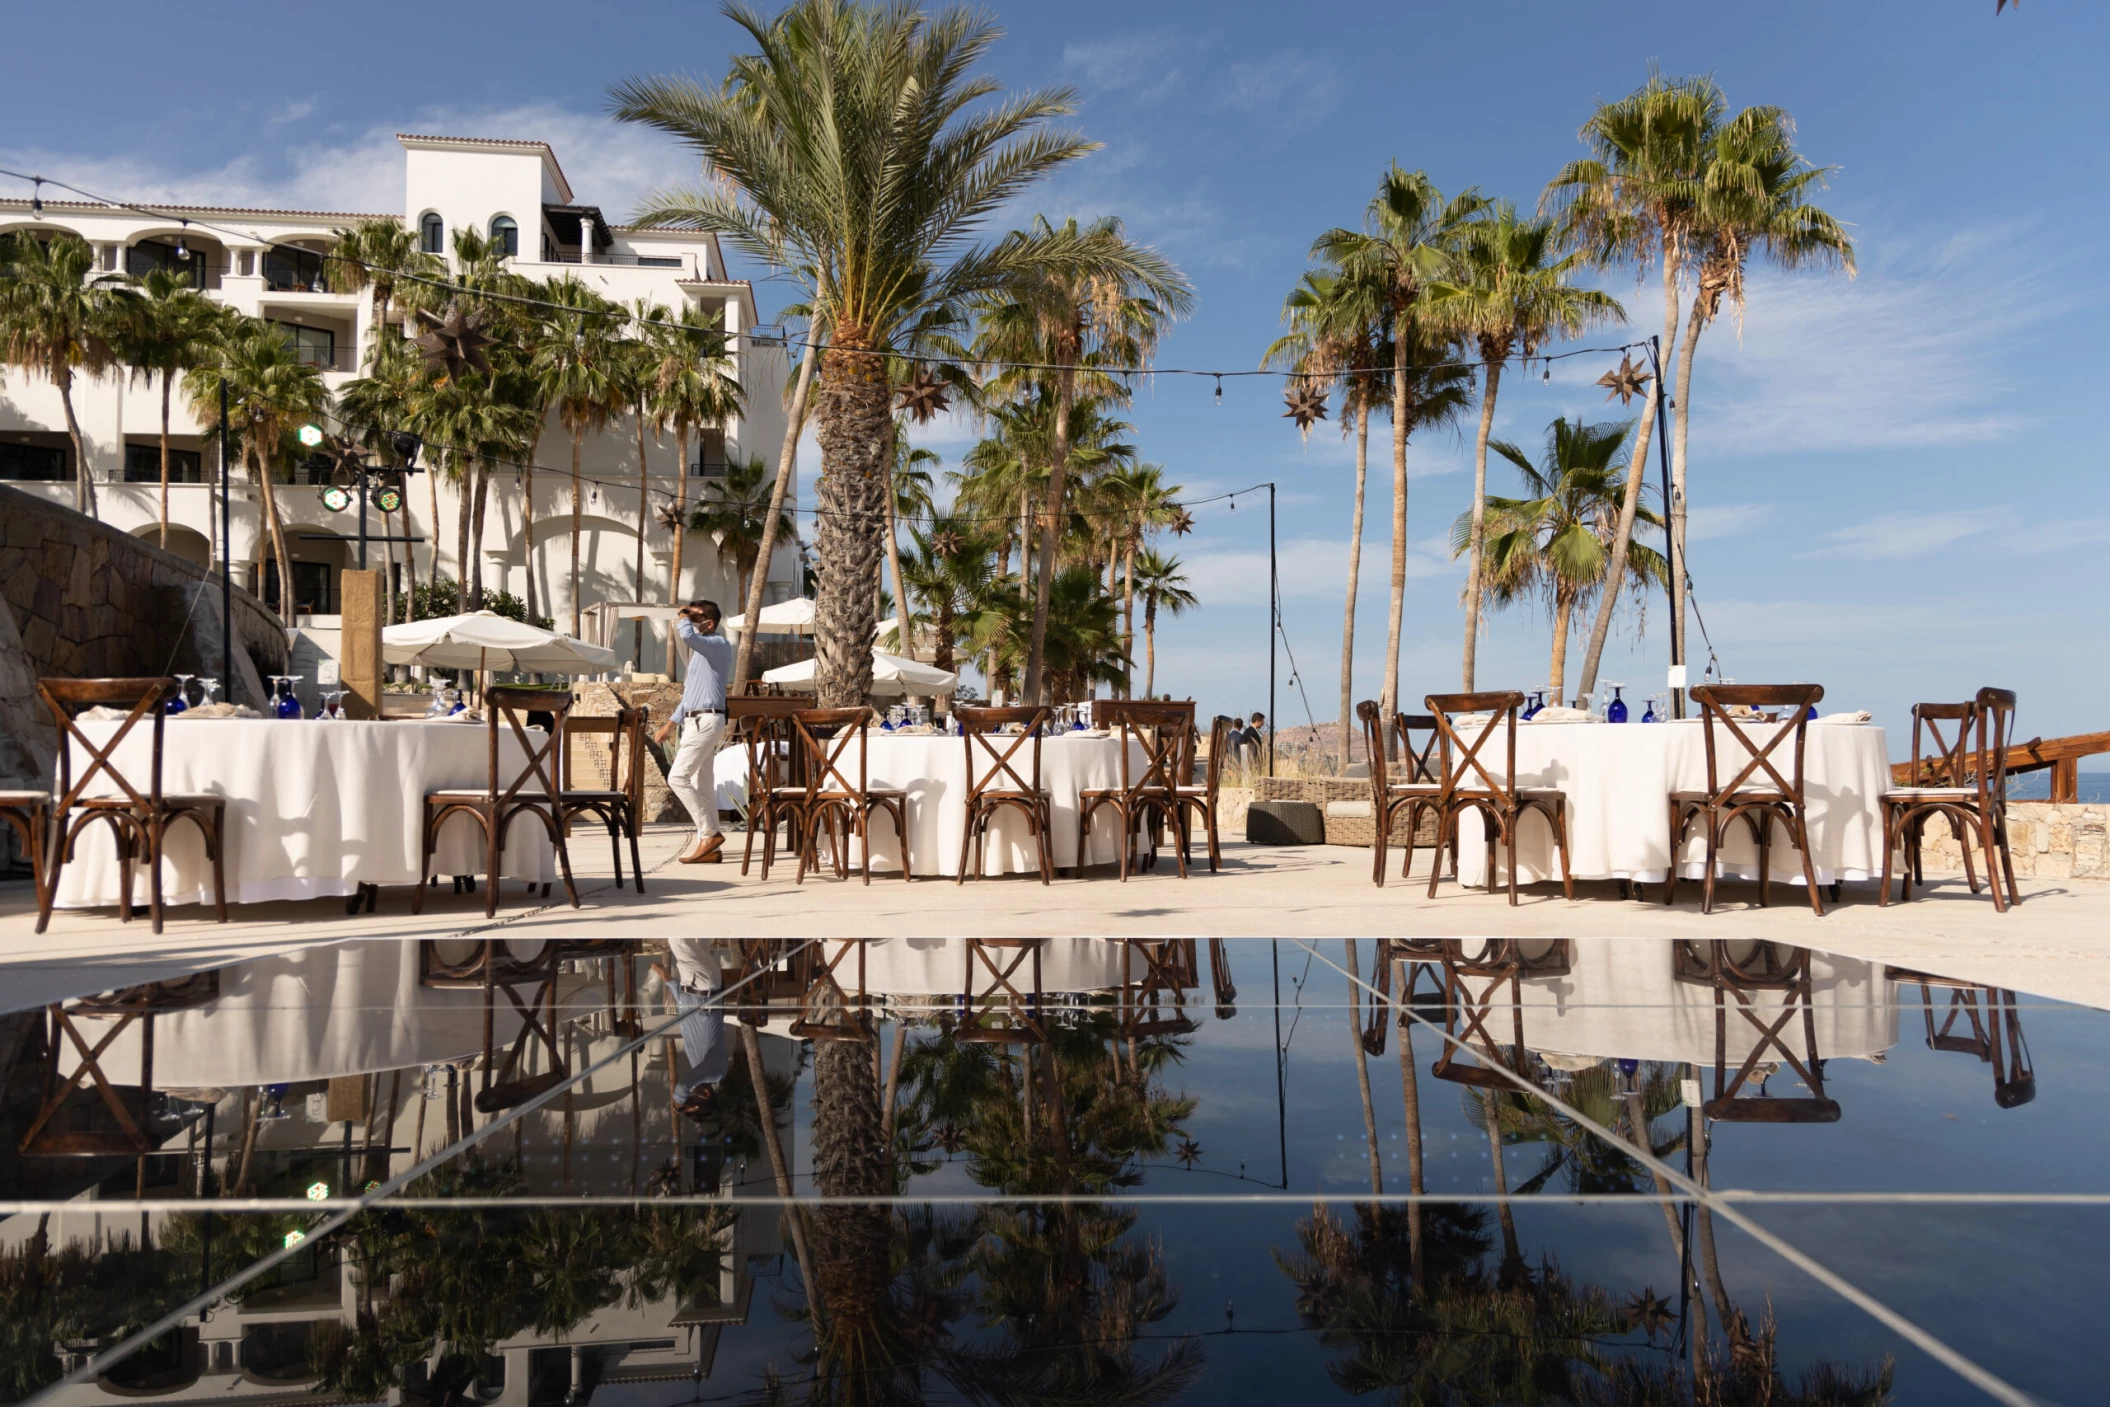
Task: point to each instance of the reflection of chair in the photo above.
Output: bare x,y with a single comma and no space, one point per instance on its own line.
1220,978
831,798
1385,1011
497,966
1995,1031
494,808
56,1131
138,820
1757,806
1142,800
1154,1002
1468,784
1744,969
994,783
1965,781
827,1011
766,974
620,805
1472,990
1418,789
762,726
994,1007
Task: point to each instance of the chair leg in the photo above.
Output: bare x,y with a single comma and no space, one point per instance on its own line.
155,835
1765,859
1560,839
1799,832
1446,829
1985,836
1889,846
637,867
1963,843
417,896
563,867
1677,835
54,861
2007,861
491,863
966,842
747,847
1714,832
1377,847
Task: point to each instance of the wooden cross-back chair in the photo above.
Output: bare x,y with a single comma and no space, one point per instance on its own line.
1737,972
1418,788
1992,1030
1469,783
620,805
1191,802
1759,793
139,818
1964,779
824,736
1154,996
996,783
776,786
60,1131
501,968
1001,998
533,791
827,1009
1148,797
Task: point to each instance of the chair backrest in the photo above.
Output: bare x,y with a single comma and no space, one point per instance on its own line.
1161,728
538,775
143,698
992,754
823,736
625,731
1943,761
762,725
1464,764
1996,726
1219,747
1756,747
1367,714
1418,765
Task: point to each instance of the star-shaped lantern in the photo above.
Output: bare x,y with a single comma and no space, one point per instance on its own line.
950,1138
924,394
670,517
1649,1312
454,342
1626,381
1307,404
1189,1153
946,544
1182,523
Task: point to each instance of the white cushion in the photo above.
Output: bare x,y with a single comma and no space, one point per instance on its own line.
1348,810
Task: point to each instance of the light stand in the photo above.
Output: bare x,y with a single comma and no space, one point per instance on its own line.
226,559
1670,537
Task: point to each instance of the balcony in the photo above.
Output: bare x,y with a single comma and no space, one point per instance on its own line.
569,254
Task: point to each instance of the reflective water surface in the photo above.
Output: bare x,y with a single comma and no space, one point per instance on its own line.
1051,1171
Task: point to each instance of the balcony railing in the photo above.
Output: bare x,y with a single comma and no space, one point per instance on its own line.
342,359
639,261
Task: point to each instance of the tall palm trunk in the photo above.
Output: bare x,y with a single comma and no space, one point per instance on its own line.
1355,566
1703,1224
1681,410
1637,1134
464,516
1388,697
432,488
1491,356
680,530
278,546
83,482
751,1046
787,466
527,523
578,511
1410,1091
1362,1067
903,641
1128,619
850,1242
1051,524
1622,538
476,533
637,575
857,454
1512,1255
167,381
1557,675
1150,648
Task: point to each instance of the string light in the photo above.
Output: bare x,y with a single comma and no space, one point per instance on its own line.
182,244
36,196
1219,390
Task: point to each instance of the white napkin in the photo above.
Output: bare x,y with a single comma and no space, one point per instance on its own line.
1858,715
222,709
1557,713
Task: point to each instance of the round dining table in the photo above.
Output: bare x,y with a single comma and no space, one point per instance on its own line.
314,809
1618,777
932,769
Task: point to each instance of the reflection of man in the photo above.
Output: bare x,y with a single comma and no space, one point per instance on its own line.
700,718
693,985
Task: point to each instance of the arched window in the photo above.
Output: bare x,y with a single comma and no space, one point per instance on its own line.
432,233
505,234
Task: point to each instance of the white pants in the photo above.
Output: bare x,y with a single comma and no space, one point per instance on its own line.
690,778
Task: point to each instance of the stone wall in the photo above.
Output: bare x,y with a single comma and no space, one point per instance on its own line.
86,600
590,757
2062,840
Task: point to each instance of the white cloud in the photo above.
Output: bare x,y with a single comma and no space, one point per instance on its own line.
293,112
1894,536
1311,567
1708,521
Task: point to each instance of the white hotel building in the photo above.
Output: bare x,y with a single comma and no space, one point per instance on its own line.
268,264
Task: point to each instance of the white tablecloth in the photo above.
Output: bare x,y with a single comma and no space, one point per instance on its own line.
314,809
933,770
1619,777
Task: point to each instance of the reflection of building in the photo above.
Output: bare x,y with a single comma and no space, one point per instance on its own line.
342,1064
268,263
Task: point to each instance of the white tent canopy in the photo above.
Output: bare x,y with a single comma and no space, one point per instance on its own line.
793,617
487,640
891,674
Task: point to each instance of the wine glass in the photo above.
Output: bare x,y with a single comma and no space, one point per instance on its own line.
1649,714
179,702
1615,711
1538,701
208,686
288,701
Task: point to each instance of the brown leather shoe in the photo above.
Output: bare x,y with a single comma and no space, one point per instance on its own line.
711,851
694,854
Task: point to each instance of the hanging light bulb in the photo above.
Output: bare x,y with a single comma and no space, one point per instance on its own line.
36,196
1548,377
1219,390
182,244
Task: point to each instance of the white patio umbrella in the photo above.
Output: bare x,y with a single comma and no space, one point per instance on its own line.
891,674
793,617
486,640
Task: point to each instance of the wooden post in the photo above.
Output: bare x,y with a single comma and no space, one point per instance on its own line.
2066,779
359,643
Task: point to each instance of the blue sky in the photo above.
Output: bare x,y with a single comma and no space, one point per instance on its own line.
1896,480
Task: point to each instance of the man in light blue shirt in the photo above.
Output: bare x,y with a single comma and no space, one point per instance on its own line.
700,720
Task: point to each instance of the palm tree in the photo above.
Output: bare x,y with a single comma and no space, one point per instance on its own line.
692,388
377,254
734,510
911,500
1557,541
1083,643
1409,239
1105,311
56,317
843,151
372,407
274,392
1512,296
637,371
1163,586
169,328
1137,502
947,566
577,369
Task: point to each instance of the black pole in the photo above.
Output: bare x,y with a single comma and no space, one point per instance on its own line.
1274,946
226,561
1274,623
1670,539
